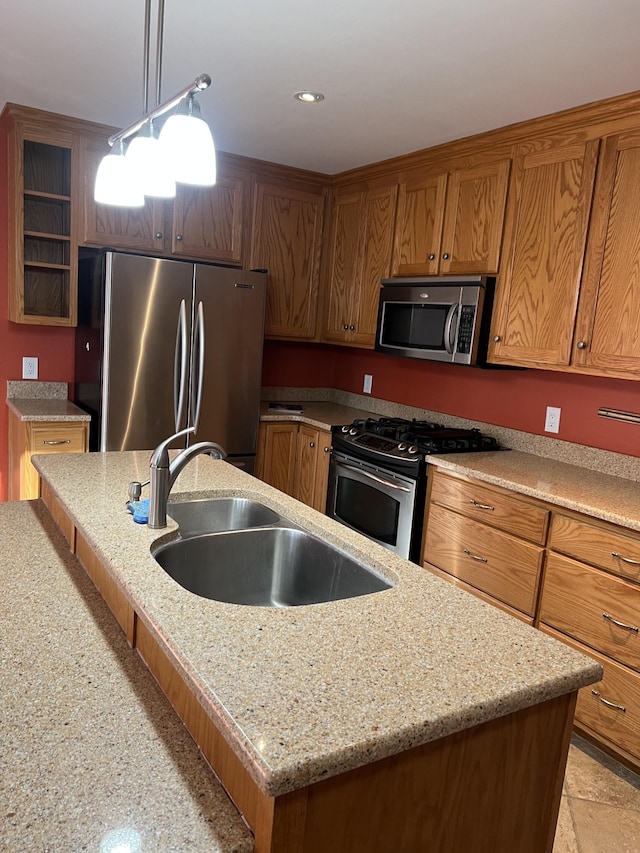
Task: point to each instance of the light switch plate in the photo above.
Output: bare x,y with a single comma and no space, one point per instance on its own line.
368,382
29,368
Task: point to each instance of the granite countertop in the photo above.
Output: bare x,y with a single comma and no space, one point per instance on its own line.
33,409
322,415
304,693
94,756
600,495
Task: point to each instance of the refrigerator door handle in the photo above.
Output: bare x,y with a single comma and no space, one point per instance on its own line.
180,366
198,377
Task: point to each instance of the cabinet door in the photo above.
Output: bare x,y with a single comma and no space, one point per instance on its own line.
380,208
418,229
287,241
545,233
474,219
208,221
345,265
139,228
312,467
608,325
279,446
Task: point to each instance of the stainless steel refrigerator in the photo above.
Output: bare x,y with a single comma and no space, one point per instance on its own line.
164,344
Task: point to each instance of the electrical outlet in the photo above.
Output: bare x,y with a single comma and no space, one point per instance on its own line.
552,420
368,382
29,368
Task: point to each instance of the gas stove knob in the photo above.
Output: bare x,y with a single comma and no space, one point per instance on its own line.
402,446
353,431
413,449
345,429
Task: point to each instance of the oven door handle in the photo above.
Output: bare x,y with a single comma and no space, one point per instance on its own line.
374,477
448,343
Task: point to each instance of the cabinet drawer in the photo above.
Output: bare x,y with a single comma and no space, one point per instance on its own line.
607,549
621,688
495,562
583,602
494,507
57,439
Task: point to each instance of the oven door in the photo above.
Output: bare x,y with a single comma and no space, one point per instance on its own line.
373,501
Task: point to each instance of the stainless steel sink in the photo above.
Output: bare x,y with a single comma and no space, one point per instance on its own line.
215,514
266,567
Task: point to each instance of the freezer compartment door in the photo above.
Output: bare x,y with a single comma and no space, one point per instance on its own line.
227,357
148,308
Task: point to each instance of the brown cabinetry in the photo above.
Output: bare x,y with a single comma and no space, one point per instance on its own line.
42,249
29,437
287,242
591,599
488,539
451,223
359,258
294,458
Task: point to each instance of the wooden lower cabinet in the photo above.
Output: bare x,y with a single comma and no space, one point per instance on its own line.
294,457
574,577
27,438
487,538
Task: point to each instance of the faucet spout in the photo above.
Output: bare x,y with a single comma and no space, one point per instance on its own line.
163,474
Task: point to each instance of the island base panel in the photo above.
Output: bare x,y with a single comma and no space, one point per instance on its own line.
495,787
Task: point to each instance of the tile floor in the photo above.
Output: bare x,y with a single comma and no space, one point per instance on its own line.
600,808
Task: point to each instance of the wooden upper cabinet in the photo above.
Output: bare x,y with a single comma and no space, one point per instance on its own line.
474,219
138,228
287,242
207,222
360,257
607,338
418,231
545,234
452,224
41,198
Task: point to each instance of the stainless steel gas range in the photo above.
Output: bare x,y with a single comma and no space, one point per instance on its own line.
378,476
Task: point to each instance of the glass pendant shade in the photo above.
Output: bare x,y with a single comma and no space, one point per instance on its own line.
116,182
148,163
188,147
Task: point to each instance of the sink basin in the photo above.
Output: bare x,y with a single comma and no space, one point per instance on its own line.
266,567
215,514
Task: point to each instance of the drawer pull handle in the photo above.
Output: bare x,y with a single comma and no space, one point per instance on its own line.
481,506
57,441
620,624
607,703
625,559
474,556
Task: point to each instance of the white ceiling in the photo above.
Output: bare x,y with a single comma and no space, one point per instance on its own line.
398,75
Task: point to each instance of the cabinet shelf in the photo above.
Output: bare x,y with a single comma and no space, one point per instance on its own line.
43,235
51,196
46,266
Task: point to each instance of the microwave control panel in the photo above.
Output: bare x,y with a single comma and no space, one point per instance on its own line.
465,328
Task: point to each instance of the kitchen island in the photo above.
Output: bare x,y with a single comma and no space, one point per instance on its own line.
413,718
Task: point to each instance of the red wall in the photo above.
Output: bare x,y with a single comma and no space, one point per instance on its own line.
510,398
53,347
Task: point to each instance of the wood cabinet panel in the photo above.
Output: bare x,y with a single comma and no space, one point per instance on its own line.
360,257
208,223
279,445
613,715
474,219
138,228
287,241
491,506
584,602
545,235
608,323
497,563
606,549
418,232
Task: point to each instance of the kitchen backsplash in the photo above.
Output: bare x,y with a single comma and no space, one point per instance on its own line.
605,461
17,389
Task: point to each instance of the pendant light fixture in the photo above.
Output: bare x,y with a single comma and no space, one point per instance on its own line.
183,151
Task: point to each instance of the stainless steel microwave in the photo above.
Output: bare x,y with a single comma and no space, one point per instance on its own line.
436,319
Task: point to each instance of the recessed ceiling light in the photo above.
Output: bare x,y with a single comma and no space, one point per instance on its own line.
309,97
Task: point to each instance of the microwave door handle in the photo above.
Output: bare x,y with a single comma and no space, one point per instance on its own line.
449,344
373,477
